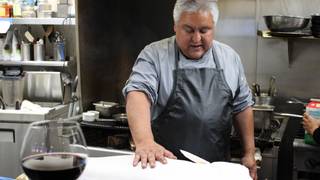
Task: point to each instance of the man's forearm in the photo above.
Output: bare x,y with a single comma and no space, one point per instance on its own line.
138,111
245,125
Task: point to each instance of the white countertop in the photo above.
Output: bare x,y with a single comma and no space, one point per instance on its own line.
120,168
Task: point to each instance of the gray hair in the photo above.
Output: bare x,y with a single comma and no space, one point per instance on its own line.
196,5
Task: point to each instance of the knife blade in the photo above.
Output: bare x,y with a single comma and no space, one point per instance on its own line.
194,158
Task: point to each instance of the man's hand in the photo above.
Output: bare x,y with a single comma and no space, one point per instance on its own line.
249,162
149,153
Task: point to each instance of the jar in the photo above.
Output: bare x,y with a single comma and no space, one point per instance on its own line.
4,10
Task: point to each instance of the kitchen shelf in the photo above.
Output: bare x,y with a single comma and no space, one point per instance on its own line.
284,35
290,37
40,65
41,21
35,63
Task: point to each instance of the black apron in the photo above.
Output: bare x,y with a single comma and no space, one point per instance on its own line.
198,115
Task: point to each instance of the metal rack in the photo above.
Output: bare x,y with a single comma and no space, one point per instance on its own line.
290,37
41,21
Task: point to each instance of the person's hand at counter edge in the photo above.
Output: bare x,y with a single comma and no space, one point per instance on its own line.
147,150
149,153
249,162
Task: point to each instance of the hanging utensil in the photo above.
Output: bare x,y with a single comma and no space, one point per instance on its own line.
257,89
271,90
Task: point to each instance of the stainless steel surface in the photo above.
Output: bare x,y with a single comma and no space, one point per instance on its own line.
306,160
279,23
25,51
106,109
12,91
270,154
38,52
13,124
10,151
272,54
272,86
262,119
40,64
20,116
263,100
122,117
43,86
289,115
296,101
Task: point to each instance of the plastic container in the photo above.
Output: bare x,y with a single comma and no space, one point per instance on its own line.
313,109
12,91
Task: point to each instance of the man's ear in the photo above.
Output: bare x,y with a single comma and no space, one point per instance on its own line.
175,28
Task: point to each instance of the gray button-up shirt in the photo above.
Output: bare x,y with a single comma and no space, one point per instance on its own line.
154,68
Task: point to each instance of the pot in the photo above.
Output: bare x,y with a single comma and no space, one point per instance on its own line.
106,109
262,117
121,117
278,23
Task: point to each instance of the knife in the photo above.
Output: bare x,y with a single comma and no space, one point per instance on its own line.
194,158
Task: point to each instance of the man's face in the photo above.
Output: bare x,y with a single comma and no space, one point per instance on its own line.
194,33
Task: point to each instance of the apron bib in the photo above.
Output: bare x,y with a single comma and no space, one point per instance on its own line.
198,115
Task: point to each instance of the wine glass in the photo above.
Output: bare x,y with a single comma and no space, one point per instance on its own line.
54,149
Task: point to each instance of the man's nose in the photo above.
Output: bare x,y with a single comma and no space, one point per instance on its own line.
196,37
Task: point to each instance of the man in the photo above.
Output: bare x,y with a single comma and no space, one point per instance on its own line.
184,92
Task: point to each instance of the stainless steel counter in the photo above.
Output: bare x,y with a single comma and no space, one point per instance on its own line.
13,126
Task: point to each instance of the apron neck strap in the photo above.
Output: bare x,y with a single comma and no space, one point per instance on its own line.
177,56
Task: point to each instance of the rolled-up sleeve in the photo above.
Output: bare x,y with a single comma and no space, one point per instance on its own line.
144,76
243,95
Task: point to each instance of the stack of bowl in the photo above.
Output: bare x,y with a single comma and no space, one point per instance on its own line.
315,28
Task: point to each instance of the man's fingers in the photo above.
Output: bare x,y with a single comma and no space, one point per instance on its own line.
160,157
136,159
169,154
144,160
152,159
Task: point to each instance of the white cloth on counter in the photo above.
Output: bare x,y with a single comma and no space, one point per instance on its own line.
32,107
121,168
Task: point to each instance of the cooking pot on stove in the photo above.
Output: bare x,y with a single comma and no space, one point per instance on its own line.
105,108
263,116
121,117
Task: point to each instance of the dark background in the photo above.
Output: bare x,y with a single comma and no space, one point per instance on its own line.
111,35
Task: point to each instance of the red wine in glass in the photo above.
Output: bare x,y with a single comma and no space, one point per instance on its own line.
54,166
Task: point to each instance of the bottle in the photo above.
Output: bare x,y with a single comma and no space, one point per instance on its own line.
313,109
16,46
4,9
59,48
17,4
7,46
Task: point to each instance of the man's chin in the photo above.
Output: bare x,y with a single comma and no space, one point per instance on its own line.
195,56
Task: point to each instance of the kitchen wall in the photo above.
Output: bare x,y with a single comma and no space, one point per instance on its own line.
263,58
111,35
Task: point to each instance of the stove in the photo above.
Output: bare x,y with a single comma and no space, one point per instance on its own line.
107,133
306,158
267,142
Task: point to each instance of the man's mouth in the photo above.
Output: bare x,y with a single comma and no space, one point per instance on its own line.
196,47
